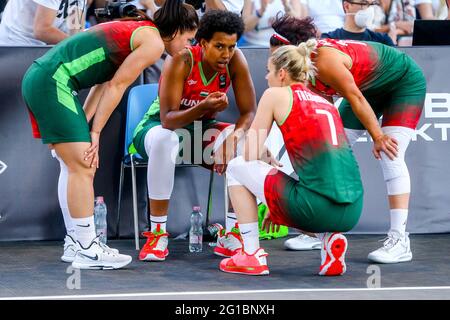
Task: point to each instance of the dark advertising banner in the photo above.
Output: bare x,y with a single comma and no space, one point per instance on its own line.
28,174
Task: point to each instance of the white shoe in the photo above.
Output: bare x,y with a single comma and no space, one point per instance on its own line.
70,249
99,256
396,248
303,242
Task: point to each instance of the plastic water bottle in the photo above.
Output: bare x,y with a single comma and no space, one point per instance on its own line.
196,231
101,226
214,230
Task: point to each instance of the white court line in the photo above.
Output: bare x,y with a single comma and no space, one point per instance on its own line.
197,293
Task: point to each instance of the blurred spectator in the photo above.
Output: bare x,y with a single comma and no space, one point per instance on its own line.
396,17
431,9
328,15
40,22
149,6
448,9
258,16
2,7
359,16
230,5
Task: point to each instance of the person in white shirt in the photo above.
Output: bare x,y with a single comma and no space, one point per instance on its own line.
258,16
41,22
432,9
234,6
328,15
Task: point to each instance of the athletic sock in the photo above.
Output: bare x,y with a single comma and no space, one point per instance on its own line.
155,220
230,221
250,237
398,220
84,230
62,196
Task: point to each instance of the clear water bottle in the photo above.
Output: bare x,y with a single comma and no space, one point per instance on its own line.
196,231
101,226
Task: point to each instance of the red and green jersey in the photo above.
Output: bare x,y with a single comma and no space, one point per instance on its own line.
196,87
91,57
375,66
318,147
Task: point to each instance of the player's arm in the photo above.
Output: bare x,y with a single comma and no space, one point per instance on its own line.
148,49
244,92
246,103
333,72
260,128
43,28
92,100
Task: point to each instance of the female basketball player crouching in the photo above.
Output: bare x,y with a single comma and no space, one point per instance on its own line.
328,197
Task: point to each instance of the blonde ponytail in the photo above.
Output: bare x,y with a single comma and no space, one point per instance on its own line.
296,60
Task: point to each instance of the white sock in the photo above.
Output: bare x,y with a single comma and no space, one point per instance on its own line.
398,220
62,196
155,220
250,236
85,230
230,221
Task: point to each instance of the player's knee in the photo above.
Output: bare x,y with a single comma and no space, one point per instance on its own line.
396,175
395,171
82,168
161,141
235,166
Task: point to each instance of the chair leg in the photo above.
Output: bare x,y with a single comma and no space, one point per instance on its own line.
119,200
135,209
209,206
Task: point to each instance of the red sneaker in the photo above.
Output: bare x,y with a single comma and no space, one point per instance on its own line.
228,244
155,249
334,247
244,263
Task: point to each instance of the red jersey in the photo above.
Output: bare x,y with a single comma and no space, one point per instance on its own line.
317,146
196,86
364,58
119,37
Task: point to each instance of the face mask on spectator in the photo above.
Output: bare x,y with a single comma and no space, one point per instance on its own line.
364,18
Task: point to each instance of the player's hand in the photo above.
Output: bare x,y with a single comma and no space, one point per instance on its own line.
268,225
268,157
215,102
223,155
91,154
385,144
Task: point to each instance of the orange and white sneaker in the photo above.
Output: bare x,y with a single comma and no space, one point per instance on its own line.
244,263
228,244
155,249
334,247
